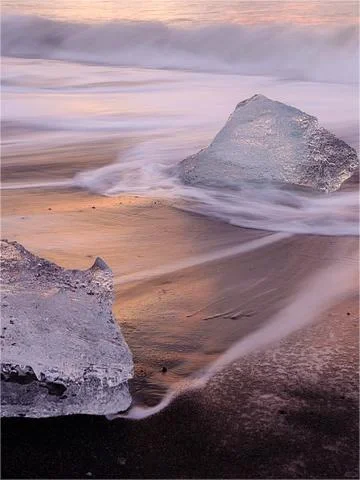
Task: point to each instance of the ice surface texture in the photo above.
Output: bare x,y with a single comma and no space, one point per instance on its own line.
268,141
62,352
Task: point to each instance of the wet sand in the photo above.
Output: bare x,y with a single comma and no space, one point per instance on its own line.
184,319
23,163
290,412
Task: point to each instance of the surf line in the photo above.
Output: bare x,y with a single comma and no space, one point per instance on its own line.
319,292
203,258
23,186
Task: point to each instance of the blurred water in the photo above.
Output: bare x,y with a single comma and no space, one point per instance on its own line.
55,99
326,52
75,73
179,11
172,114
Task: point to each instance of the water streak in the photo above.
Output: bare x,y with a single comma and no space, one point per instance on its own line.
202,259
318,293
150,169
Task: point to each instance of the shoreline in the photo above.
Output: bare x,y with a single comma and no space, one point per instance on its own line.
278,413
181,320
224,276
287,412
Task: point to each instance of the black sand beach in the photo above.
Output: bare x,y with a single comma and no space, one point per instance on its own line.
233,241
288,412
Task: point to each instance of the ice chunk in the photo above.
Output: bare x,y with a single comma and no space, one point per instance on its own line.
62,352
268,141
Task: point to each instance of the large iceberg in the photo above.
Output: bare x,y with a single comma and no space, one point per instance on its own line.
62,351
269,141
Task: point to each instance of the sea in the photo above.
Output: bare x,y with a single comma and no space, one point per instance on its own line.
170,73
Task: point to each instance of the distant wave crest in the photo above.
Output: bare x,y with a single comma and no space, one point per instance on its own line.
325,54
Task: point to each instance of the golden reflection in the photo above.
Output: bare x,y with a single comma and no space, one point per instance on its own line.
196,11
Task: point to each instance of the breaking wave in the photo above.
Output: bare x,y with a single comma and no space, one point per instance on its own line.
324,54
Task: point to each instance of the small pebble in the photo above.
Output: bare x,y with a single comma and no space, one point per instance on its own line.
88,474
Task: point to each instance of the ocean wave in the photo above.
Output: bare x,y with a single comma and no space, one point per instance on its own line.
145,170
325,54
150,170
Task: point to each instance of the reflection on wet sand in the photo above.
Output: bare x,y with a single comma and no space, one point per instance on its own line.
184,319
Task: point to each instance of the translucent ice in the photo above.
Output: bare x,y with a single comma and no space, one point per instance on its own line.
62,352
268,141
